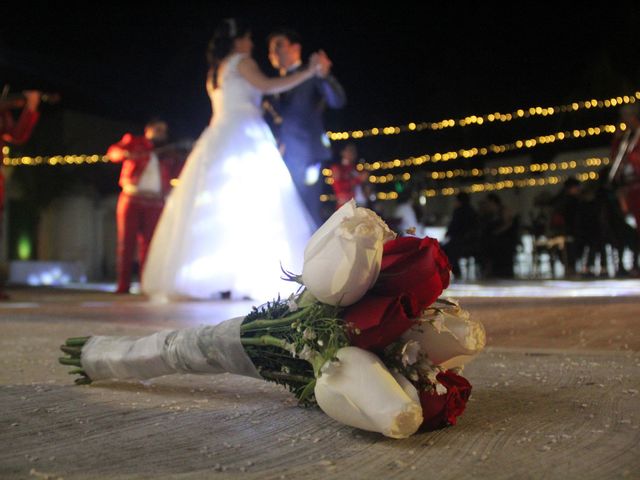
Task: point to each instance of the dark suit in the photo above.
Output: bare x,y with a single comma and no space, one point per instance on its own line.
297,123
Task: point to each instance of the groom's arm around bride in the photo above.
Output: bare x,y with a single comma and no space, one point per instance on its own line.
297,117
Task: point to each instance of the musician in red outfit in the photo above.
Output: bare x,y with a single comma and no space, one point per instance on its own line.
16,133
148,167
625,156
345,175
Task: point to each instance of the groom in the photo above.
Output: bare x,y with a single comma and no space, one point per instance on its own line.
297,120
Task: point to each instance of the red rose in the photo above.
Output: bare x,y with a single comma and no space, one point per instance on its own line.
415,266
376,322
441,410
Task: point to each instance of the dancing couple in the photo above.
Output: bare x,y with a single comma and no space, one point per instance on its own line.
238,214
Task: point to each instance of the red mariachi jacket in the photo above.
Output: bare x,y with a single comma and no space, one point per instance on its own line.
344,179
132,168
632,158
16,134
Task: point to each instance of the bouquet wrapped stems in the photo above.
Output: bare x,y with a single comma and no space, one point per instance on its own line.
276,338
366,337
73,348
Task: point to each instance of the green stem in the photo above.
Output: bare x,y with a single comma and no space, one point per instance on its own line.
317,362
286,376
76,341
265,325
75,362
262,323
307,391
73,351
265,340
306,299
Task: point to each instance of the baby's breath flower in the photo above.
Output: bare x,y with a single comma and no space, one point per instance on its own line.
306,353
440,389
308,334
291,348
409,353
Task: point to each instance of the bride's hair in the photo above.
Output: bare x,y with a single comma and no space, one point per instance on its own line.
221,44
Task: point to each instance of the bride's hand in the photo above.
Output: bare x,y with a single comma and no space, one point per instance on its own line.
324,64
315,65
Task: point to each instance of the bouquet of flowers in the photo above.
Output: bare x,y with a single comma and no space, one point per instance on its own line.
365,337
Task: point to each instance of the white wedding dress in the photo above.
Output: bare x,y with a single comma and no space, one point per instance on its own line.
235,217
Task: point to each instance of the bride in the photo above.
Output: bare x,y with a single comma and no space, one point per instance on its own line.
235,217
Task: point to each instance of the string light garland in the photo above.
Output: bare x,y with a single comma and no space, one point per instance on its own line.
429,193
484,187
55,160
502,185
393,130
396,163
494,117
492,171
484,151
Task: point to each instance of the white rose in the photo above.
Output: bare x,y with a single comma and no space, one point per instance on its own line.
447,334
359,391
406,386
342,259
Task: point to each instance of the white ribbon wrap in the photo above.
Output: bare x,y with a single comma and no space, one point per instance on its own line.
210,349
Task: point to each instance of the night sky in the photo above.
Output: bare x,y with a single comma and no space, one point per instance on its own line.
398,63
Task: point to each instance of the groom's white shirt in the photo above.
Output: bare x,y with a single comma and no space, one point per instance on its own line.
293,67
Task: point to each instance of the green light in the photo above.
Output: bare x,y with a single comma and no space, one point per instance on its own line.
24,247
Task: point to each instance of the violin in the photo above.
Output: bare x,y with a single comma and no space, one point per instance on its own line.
139,151
18,100
175,147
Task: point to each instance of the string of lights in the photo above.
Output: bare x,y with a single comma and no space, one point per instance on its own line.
55,160
494,117
503,185
392,195
396,163
489,171
378,165
483,187
484,151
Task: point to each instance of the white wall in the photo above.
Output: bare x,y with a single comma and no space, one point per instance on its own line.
79,228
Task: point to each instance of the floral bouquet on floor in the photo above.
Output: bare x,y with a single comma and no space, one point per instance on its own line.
366,337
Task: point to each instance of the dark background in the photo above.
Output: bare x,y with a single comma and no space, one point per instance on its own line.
401,62
117,64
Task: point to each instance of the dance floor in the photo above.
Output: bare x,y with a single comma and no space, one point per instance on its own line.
505,288
547,288
556,395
